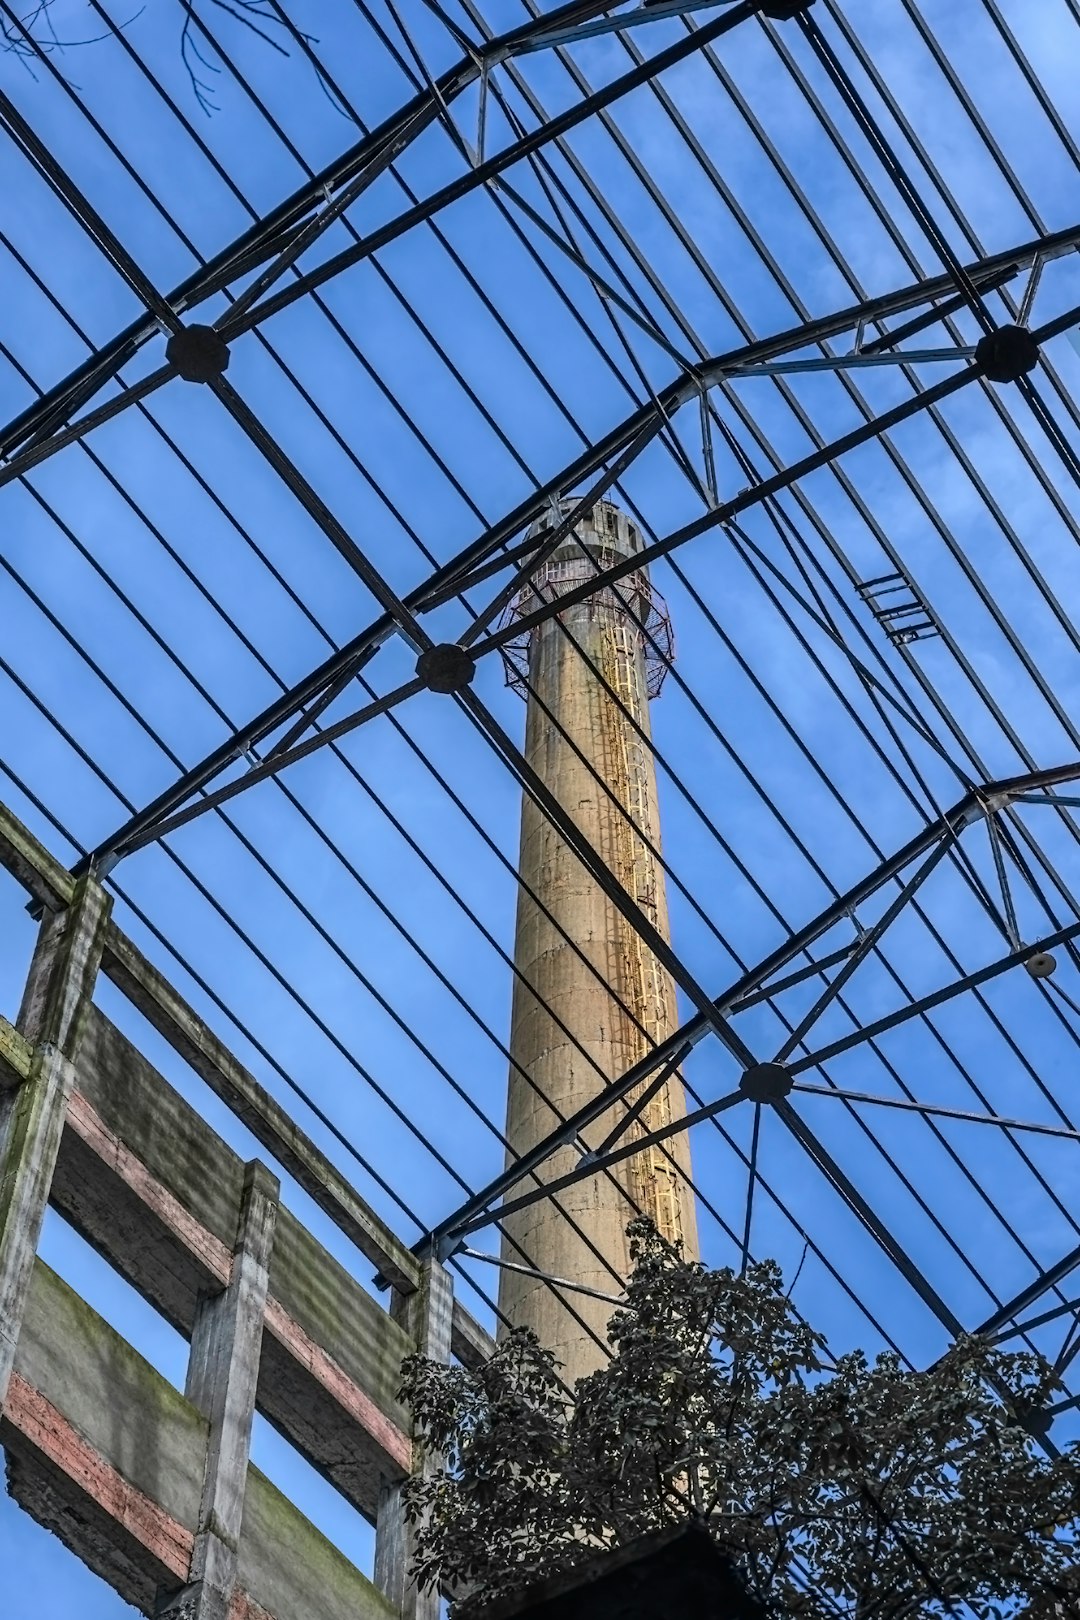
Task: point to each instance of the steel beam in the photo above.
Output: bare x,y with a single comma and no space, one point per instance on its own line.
935,1111
484,556
969,808
276,230
1050,1278
765,488
925,1004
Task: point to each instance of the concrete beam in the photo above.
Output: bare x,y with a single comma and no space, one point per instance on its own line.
15,1055
144,1178
109,1456
43,877
52,886
427,1315
163,1007
223,1372
51,1020
469,1342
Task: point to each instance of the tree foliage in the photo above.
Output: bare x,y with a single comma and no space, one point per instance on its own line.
843,1487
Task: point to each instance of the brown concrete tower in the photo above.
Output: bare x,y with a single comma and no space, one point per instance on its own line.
573,719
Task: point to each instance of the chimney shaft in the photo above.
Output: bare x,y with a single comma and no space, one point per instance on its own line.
619,1012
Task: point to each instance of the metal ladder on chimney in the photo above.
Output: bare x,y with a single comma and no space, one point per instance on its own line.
646,987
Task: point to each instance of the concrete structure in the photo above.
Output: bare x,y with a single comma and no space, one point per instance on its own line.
152,1488
589,715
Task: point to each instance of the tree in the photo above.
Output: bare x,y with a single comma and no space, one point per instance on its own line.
847,1486
32,36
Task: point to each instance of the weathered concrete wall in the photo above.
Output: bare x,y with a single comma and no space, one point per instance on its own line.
573,723
128,1472
157,1191
52,886
106,1454
100,1448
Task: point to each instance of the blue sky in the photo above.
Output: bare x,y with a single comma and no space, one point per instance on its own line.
335,995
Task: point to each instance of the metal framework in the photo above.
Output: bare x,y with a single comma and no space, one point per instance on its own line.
860,520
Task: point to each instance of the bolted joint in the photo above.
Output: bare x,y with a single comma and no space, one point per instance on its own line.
447,1246
766,1082
783,10
1007,354
198,352
446,667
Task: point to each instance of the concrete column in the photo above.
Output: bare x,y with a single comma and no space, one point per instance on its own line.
427,1316
59,985
616,1014
223,1372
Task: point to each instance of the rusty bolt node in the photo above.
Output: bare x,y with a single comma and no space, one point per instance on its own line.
446,667
1041,965
766,1082
198,352
1007,354
783,10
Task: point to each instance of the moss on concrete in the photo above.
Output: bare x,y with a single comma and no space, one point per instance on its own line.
292,1570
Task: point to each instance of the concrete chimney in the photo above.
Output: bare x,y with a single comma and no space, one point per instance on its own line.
572,720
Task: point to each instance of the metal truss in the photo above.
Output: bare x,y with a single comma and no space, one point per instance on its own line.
265,270
492,552
290,229
772,1081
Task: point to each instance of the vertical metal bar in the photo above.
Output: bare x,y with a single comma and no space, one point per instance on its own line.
1011,928
868,941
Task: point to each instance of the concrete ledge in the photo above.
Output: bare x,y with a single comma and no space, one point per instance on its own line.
269,1123
105,1453
293,1572
157,1191
15,1055
49,883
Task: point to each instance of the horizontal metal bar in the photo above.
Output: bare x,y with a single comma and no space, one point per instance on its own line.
447,1244
1060,799
697,1027
1035,1290
32,457
274,765
940,312
541,1276
1034,1322
936,1111
915,1009
623,20
810,971
852,362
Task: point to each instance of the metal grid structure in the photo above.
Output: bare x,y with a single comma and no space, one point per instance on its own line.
760,273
